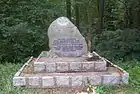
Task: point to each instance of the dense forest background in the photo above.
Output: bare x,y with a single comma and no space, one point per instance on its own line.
114,33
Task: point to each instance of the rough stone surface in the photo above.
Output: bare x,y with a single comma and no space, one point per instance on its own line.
71,66
62,81
111,79
39,66
76,81
50,67
100,66
65,39
88,66
34,81
75,66
92,80
125,78
48,81
62,66
19,81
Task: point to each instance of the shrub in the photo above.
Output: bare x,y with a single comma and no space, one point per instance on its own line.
19,42
119,44
23,27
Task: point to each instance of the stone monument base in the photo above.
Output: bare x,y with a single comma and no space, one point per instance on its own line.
45,72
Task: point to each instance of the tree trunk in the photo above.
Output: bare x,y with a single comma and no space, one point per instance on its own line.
77,15
89,33
101,15
68,4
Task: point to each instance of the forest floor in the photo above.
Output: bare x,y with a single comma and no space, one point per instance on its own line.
7,70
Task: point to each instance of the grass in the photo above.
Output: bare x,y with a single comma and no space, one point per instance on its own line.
7,71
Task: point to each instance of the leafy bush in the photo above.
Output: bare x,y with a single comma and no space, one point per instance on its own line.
119,44
112,15
19,42
23,27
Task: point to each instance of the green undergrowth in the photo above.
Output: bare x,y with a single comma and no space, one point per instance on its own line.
133,68
7,71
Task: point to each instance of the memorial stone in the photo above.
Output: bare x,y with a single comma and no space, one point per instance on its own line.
65,39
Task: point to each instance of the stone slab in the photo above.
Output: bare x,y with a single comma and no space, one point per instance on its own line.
50,67
88,66
76,81
113,79
34,81
75,66
125,78
92,80
68,80
62,66
19,81
62,81
100,66
39,66
48,81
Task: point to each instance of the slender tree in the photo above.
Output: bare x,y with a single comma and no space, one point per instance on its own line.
132,13
68,5
77,15
101,14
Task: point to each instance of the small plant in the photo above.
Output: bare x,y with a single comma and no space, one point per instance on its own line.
93,90
90,89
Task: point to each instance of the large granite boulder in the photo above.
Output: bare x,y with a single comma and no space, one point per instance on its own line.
65,39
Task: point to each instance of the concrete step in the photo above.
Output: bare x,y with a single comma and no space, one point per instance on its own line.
49,65
79,79
26,77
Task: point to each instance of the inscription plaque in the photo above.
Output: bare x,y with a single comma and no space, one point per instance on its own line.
68,46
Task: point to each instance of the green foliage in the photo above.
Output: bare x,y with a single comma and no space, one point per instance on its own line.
20,41
68,3
119,44
23,27
133,68
7,71
131,13
112,14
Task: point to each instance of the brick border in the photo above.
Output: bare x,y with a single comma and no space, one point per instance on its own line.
88,66
65,81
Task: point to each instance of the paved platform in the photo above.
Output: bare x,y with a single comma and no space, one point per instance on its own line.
27,77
